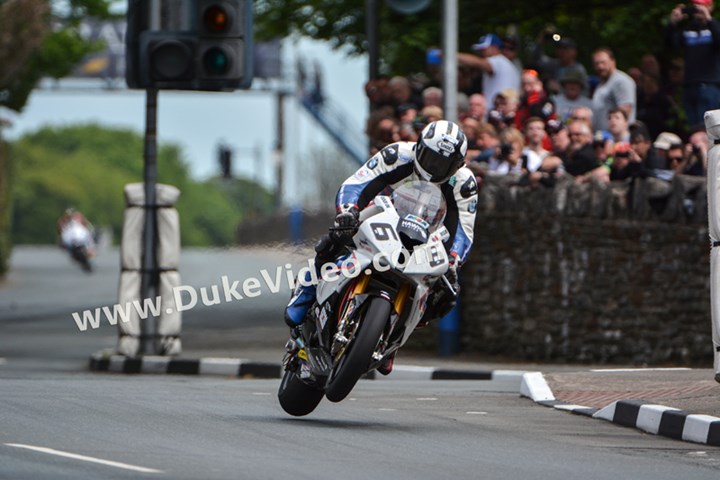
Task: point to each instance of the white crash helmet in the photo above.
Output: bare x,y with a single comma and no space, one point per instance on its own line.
440,151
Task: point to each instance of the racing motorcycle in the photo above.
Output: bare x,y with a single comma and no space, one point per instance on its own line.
370,300
78,240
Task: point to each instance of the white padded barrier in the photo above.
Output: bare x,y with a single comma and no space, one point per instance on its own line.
169,322
712,125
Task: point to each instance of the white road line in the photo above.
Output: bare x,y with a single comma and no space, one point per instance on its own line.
612,370
75,456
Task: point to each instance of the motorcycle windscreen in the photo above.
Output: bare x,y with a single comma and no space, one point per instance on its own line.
423,200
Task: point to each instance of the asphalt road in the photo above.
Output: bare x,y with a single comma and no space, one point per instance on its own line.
219,428
59,421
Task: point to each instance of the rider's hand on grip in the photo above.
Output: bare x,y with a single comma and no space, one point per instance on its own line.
452,273
347,219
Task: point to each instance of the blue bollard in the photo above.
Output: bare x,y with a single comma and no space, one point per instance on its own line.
449,332
296,223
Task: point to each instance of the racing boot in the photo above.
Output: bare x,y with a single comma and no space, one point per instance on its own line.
326,250
387,365
299,304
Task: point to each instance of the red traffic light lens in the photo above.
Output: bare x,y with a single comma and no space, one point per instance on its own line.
216,19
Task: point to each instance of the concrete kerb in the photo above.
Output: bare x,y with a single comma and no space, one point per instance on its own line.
648,417
506,380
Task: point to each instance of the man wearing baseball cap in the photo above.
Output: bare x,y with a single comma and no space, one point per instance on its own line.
692,28
498,71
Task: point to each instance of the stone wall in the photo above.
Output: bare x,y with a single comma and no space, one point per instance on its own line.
590,273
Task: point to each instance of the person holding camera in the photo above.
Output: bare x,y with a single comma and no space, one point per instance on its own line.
696,151
505,106
693,29
510,156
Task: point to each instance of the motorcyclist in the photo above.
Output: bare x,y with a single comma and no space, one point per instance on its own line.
438,156
66,236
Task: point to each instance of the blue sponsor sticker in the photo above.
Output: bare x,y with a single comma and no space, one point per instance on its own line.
472,207
372,163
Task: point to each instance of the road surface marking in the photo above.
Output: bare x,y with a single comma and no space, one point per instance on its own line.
610,370
476,413
426,399
75,456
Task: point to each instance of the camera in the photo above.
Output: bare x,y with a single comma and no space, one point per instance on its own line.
622,154
689,10
505,150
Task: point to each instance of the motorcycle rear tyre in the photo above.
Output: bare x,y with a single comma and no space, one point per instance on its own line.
356,360
296,397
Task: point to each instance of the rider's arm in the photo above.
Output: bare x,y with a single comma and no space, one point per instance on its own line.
460,218
390,165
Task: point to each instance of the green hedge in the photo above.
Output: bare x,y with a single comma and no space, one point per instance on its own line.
87,166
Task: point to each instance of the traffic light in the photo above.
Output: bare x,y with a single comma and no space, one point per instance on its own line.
225,159
201,45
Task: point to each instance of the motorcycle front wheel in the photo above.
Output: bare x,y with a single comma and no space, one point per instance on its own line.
296,397
356,359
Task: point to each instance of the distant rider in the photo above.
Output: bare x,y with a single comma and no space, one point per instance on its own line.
438,156
74,228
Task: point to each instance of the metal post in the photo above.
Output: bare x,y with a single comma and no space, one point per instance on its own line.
371,30
450,48
279,147
148,288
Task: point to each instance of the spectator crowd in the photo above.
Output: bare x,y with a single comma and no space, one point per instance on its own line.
547,116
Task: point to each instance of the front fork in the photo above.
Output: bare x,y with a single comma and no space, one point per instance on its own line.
347,325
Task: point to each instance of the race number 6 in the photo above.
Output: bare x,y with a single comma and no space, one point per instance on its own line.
383,231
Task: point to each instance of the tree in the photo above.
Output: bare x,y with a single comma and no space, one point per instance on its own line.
631,28
35,41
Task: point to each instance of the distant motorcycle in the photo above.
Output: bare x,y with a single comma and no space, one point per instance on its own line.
369,305
78,240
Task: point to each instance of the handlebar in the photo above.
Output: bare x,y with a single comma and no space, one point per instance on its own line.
449,285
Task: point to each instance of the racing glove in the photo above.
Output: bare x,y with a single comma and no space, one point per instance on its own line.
452,273
346,220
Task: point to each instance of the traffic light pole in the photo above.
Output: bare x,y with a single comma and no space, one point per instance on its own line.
149,285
